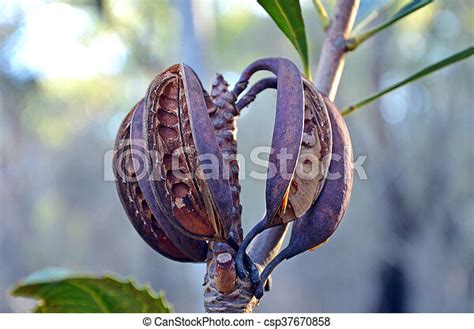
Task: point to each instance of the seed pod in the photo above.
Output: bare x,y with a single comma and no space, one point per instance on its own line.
315,151
173,129
287,129
172,243
312,160
177,127
320,222
195,249
287,134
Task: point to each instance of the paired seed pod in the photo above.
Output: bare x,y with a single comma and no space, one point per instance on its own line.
177,172
164,148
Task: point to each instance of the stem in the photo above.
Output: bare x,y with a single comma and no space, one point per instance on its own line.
237,296
322,13
251,267
331,62
226,279
266,246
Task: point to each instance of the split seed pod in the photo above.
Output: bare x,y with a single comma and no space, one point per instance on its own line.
178,130
172,180
140,207
321,220
295,187
181,171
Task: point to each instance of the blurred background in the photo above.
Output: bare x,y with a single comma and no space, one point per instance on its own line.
70,71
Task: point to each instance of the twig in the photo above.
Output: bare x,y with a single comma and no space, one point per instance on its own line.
226,279
322,13
331,62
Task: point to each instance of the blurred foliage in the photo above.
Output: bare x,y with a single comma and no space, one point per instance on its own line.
69,73
60,291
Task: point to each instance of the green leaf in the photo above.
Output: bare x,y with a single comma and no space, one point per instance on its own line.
385,9
60,291
406,10
287,15
420,74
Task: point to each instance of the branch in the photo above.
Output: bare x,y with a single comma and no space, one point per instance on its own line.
331,62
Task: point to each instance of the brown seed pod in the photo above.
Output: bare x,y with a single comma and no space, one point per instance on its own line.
183,180
312,160
314,157
287,129
148,222
322,219
177,127
315,153
195,249
287,135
